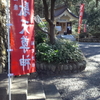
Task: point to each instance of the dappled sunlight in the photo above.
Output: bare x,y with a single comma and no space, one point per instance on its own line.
89,44
76,84
95,57
90,73
91,67
90,94
90,49
76,88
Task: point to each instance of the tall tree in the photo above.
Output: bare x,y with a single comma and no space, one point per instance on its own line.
50,18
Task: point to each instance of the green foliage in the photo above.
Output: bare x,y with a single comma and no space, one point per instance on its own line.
83,35
45,53
40,37
64,51
93,18
42,24
96,34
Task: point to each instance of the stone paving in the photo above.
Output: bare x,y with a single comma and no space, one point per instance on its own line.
84,85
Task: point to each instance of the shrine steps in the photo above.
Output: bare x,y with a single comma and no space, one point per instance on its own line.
23,88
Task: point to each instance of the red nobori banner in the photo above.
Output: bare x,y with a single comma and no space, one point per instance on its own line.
80,17
22,37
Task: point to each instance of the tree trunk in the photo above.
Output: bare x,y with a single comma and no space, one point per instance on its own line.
97,3
52,34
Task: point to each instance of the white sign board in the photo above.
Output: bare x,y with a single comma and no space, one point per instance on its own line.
58,28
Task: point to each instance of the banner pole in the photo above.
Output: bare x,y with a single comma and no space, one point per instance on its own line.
8,29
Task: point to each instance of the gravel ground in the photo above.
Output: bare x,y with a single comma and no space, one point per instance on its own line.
84,85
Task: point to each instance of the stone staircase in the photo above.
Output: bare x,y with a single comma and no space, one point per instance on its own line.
24,89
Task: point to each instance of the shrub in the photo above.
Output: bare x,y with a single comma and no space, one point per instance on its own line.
96,34
83,35
45,53
40,37
64,51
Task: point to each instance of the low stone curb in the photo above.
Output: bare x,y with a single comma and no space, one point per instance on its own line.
46,68
89,40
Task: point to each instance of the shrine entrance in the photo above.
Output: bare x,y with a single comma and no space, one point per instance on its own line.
66,27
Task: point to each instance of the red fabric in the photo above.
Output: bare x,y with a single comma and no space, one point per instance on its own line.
22,37
80,17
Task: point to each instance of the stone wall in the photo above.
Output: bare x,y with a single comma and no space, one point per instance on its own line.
89,40
46,68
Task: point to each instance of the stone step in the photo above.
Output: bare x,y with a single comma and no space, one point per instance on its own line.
3,86
51,92
19,88
35,90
